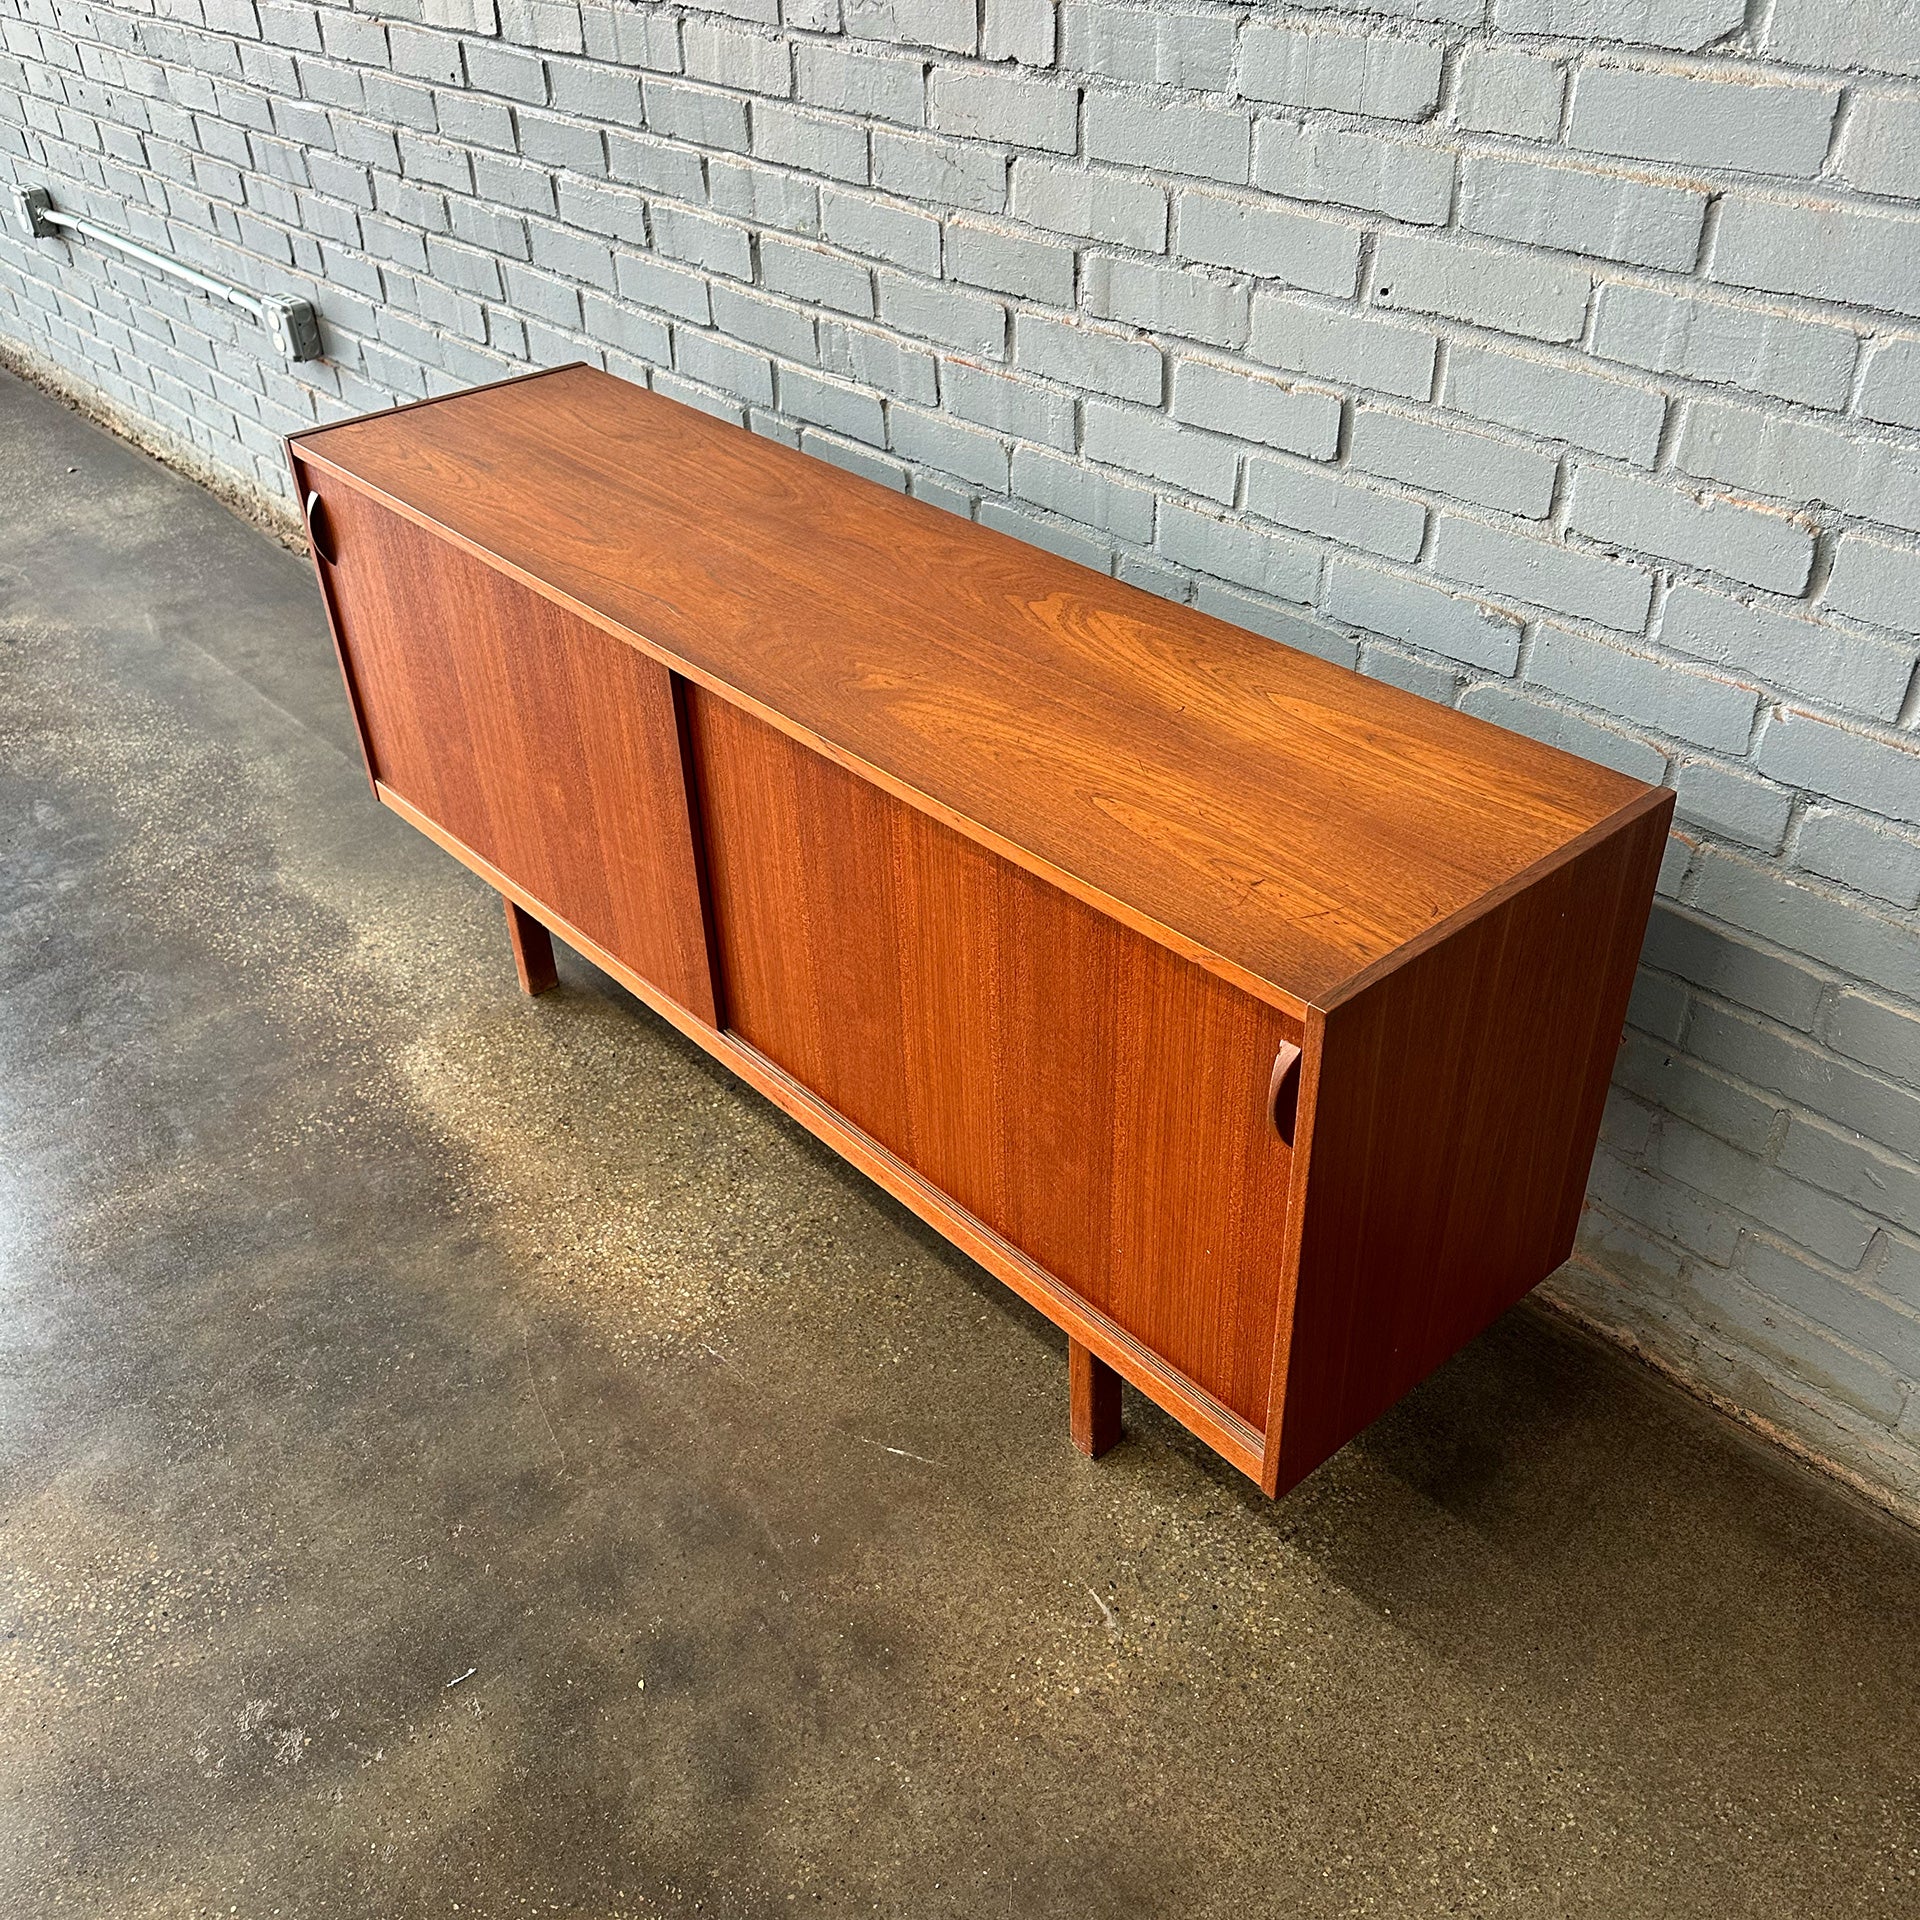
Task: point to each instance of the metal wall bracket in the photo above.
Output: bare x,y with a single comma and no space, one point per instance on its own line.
294,324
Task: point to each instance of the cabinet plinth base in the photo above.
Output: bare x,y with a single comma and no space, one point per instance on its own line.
1094,1392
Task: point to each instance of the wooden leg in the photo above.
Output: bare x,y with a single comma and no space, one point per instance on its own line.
1094,1389
532,950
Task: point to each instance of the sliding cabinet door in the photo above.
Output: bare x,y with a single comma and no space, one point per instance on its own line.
1097,1101
539,742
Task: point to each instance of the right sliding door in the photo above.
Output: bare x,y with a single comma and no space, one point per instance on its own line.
1098,1101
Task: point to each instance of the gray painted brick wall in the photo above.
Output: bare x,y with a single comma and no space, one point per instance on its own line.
1559,359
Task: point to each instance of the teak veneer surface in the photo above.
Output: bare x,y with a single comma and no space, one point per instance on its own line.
1281,816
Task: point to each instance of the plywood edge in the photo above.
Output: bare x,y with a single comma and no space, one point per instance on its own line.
1272,993
1241,1444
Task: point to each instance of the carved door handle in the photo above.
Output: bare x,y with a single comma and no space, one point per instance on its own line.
319,531
1283,1091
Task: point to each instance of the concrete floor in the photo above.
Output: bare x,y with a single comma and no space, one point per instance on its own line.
460,1454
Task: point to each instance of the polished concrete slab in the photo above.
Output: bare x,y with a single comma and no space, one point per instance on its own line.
463,1454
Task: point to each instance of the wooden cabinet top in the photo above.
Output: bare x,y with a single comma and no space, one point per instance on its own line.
1289,823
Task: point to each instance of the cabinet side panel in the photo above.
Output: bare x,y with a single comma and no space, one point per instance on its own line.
1455,1111
1096,1100
547,746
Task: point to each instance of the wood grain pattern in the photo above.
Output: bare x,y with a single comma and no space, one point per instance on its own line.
1282,819
1453,1108
1093,1401
536,739
1096,1100
1223,1430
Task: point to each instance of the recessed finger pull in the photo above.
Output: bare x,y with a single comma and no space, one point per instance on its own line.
319,528
1283,1091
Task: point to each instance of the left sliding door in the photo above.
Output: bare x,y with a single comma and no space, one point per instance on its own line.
536,741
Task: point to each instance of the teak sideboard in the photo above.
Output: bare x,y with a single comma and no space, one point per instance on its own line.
1250,1018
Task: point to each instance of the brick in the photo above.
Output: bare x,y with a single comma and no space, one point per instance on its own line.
1852,1168
1693,706
1206,141
1149,45
1503,90
1890,385
762,196
833,404
1812,1219
954,316
855,458
1478,467
773,324
1281,624
1313,500
1358,349
949,445
1800,461
1544,573
1506,706
1093,203
1883,1036
1758,547
881,230
1314,161
815,274
604,210
1763,349
1422,614
1272,243
1734,806
1385,76
1438,684
1196,306
1268,563
1841,933
720,363
1806,751
1150,443
949,173
987,103
1021,408
1089,357
1664,1077
1551,399
1880,150
1788,651
595,92
794,137
1009,262
1845,33
1617,216
548,24
1507,291
1873,581
1252,407
1071,488
950,25
876,359
1685,25
734,57
1719,962
1052,536
505,70
696,114
1860,854
1021,30
1870,1324
1827,249
1659,114
850,79
703,241
573,255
